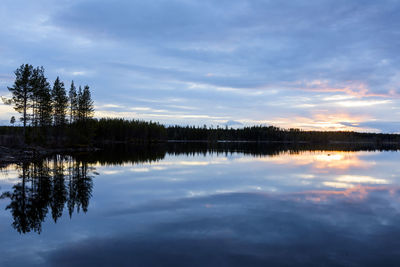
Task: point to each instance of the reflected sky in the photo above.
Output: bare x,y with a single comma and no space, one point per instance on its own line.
203,175
323,208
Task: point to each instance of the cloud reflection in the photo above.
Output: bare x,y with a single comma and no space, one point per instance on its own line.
321,160
356,227
263,208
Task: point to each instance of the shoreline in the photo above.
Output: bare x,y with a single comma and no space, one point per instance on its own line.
12,155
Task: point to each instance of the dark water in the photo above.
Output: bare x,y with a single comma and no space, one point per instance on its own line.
196,205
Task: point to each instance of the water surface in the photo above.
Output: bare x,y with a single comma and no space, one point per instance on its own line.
197,206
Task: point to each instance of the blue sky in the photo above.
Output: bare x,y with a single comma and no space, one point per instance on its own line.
310,64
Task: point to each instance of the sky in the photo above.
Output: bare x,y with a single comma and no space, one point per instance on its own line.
310,64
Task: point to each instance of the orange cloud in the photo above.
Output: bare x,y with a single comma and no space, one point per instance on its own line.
353,88
323,122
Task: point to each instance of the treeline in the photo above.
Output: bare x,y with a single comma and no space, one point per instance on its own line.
136,131
109,131
52,117
88,133
271,133
46,109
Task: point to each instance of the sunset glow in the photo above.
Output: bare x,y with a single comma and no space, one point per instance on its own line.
174,66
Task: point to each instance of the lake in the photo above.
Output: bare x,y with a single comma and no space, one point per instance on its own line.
202,205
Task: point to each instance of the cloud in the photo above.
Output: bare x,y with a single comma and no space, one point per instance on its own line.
247,61
362,103
263,42
382,126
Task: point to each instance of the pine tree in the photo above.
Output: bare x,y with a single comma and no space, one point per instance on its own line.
22,92
34,97
60,102
87,103
79,113
42,96
73,103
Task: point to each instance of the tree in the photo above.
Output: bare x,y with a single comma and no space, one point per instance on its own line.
42,98
22,92
79,112
85,104
60,102
73,103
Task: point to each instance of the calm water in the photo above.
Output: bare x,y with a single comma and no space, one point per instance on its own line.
190,206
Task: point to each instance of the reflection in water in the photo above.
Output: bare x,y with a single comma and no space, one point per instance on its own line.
133,154
48,184
322,161
321,228
205,205
52,183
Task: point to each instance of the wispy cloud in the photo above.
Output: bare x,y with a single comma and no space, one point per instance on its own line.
208,62
362,103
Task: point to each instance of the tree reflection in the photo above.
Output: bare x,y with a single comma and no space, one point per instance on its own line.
119,154
48,184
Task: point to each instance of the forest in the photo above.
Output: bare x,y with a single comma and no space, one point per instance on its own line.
53,117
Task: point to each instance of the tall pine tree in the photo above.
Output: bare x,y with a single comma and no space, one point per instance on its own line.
86,104
22,92
60,102
80,105
73,103
43,101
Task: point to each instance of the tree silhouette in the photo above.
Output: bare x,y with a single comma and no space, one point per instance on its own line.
60,102
73,103
22,92
85,104
42,114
